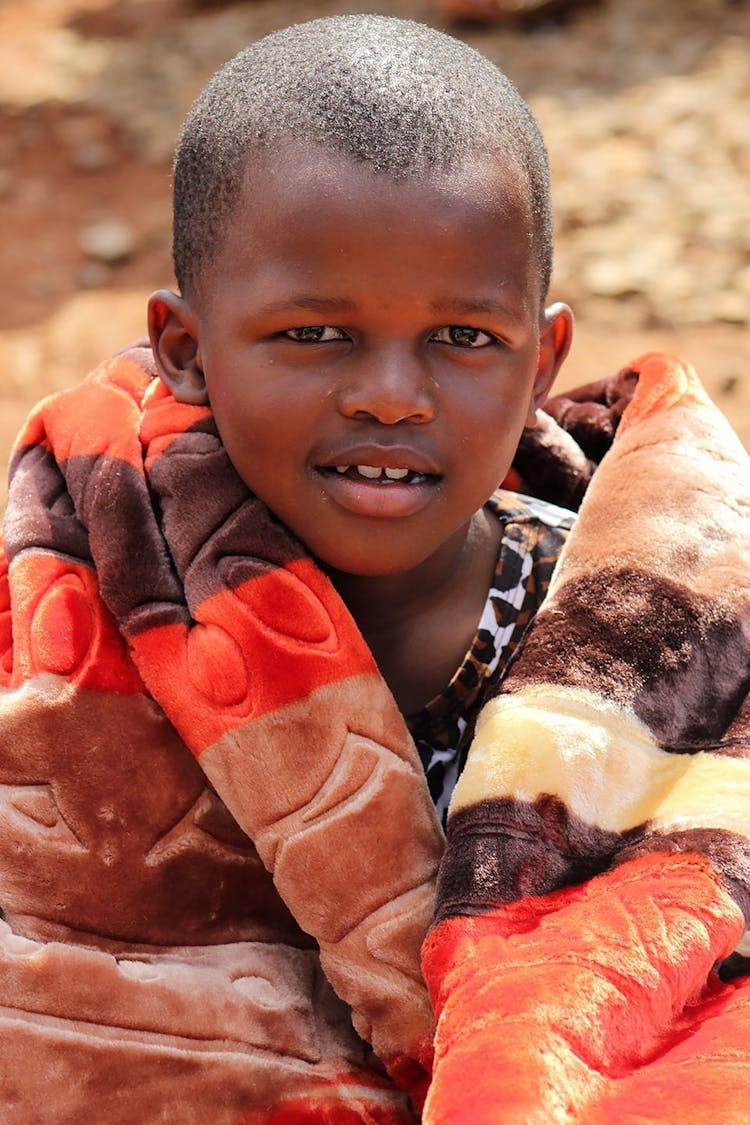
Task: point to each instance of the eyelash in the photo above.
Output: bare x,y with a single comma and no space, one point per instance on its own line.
314,328
448,328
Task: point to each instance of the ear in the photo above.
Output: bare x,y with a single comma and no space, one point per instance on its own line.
173,332
555,337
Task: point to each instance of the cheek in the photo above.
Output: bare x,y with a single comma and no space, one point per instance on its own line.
492,418
488,448
249,410
246,436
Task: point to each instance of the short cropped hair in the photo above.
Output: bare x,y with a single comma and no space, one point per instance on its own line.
397,95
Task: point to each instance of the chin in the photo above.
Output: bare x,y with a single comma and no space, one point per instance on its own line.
359,566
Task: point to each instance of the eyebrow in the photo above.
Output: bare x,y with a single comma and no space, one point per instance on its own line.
309,301
313,303
471,306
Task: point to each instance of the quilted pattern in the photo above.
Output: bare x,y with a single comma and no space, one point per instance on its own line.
202,770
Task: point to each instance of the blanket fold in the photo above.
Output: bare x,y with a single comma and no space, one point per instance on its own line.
598,856
146,582
218,853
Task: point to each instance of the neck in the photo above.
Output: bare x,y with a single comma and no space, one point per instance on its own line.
379,602
420,624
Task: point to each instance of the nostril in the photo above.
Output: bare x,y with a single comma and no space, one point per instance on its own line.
390,414
389,394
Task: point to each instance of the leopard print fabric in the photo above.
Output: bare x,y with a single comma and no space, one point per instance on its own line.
533,535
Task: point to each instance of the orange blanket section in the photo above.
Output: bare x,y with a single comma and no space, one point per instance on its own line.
285,618
663,382
598,1003
111,411
61,626
348,1103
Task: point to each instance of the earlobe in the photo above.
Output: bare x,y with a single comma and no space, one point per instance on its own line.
555,339
173,333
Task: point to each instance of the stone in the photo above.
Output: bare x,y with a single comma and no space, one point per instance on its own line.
93,275
92,156
110,240
734,308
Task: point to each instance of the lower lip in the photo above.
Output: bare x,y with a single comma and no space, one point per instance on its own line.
380,501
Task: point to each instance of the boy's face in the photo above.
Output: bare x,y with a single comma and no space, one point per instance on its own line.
371,350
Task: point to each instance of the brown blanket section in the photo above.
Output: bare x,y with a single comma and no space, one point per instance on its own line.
217,847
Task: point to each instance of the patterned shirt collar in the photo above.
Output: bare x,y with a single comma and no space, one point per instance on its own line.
533,533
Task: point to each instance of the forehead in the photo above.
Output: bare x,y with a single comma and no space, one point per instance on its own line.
304,207
303,177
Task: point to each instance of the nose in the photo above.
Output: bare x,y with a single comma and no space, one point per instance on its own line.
390,386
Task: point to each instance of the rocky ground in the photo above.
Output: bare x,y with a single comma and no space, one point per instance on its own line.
646,110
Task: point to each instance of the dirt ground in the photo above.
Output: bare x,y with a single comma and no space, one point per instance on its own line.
644,106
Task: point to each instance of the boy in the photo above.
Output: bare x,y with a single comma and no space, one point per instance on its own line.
234,559
414,220
362,244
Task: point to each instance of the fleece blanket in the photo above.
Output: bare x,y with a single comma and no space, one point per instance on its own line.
217,846
595,889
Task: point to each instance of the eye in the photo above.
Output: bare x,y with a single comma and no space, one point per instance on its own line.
314,334
461,336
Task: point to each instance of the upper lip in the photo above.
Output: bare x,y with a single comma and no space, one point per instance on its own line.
382,457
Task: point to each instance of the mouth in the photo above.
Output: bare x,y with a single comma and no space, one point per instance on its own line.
380,491
378,474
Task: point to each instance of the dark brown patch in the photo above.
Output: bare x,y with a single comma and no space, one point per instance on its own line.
648,643
552,466
132,563
40,512
591,413
190,531
51,506
735,965
218,532
501,850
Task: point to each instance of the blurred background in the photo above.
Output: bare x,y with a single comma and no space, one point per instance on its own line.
645,107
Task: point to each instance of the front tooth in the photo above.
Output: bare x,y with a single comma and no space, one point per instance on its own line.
396,474
369,471
342,468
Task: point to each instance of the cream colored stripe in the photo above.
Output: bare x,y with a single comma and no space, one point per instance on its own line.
602,762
